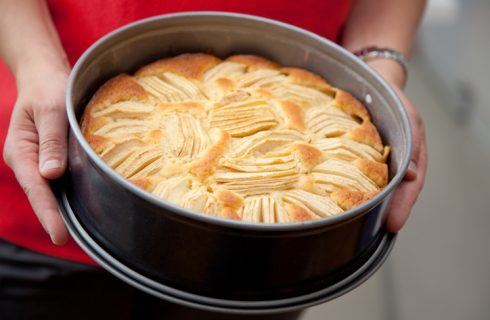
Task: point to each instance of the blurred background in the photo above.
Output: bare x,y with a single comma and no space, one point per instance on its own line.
440,265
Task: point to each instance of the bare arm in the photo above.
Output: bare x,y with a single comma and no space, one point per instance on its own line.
384,23
392,24
28,36
35,147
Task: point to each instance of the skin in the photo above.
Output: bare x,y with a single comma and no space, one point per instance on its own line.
366,27
36,146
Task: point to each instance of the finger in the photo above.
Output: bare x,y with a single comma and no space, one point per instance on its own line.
418,134
419,150
41,199
401,204
51,125
406,194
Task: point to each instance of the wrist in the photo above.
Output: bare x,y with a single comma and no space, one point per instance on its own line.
41,70
42,83
389,63
43,62
390,70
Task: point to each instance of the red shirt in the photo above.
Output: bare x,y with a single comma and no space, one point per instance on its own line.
81,23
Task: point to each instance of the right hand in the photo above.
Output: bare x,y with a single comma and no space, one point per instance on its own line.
36,143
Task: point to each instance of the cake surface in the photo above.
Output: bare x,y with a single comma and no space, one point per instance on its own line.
241,138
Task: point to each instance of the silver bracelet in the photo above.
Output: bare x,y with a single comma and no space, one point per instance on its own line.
372,53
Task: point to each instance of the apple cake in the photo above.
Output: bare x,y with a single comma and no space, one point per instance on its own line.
241,138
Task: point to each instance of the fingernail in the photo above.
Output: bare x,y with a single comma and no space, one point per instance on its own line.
50,165
49,229
53,239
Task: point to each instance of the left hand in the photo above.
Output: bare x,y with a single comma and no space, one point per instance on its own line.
406,193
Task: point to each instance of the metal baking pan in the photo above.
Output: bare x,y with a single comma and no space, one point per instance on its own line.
345,284
207,256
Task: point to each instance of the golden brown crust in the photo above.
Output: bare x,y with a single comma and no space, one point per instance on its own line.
253,62
206,166
368,134
309,155
264,93
229,213
350,104
119,88
294,115
348,199
298,213
97,142
307,183
155,136
385,153
143,183
223,139
91,124
240,139
190,65
376,171
308,79
228,198
225,84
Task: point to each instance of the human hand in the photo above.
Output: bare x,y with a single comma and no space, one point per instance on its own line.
406,193
35,147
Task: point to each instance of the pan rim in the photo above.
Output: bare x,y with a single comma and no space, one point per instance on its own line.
125,273
202,218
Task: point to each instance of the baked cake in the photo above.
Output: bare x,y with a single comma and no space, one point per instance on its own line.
241,138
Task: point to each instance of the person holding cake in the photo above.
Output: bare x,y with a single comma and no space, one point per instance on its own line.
41,40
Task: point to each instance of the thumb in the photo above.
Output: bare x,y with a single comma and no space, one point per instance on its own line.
51,126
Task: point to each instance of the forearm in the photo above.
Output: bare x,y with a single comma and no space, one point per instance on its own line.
383,23
28,37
